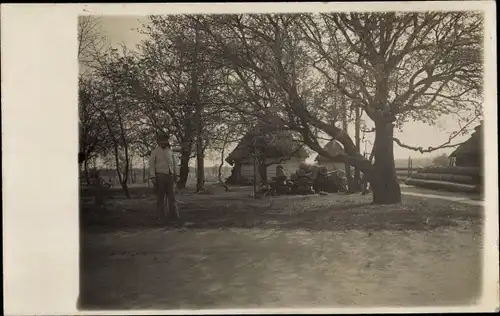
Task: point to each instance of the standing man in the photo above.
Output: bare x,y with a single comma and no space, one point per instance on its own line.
162,172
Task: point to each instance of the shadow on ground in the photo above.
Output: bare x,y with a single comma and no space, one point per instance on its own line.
234,251
237,209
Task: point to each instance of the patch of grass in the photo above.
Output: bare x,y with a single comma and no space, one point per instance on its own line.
288,251
337,212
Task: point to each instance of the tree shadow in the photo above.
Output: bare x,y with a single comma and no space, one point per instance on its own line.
335,212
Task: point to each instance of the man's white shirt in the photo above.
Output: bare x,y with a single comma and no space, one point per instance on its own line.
162,161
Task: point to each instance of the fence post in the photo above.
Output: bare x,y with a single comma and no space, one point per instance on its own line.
409,166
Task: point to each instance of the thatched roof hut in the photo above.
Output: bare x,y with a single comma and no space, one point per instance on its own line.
270,142
470,153
333,147
473,145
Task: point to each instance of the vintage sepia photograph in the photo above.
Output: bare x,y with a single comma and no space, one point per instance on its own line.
284,160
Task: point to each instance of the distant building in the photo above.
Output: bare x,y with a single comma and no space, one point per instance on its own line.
469,153
276,146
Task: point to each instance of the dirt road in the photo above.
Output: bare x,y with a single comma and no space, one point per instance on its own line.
325,255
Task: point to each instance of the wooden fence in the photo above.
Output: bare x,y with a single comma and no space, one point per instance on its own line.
403,173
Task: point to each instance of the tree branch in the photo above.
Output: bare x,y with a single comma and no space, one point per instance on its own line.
444,145
428,149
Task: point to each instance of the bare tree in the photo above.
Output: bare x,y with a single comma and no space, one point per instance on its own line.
92,43
227,135
177,86
116,107
276,59
92,140
436,53
91,46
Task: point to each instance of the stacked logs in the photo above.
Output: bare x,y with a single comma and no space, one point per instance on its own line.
456,179
402,173
306,179
302,180
310,179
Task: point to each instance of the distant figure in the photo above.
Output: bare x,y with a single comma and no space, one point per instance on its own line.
304,166
280,173
365,185
320,178
301,173
162,171
340,179
314,171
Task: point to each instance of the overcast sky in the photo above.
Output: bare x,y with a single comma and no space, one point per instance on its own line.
121,30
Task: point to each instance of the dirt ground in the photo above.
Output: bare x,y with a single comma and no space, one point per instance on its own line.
471,196
233,251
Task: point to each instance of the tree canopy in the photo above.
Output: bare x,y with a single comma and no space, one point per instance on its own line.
201,76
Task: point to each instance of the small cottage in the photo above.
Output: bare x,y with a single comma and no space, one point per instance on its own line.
469,153
274,147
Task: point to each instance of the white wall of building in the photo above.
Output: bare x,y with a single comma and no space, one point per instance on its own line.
289,167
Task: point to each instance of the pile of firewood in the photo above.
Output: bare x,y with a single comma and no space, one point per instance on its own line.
459,179
309,179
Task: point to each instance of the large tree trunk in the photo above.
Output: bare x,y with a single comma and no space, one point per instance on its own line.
184,169
219,177
219,170
357,140
383,179
186,139
183,173
221,165
143,170
200,165
121,178
124,181
263,172
195,98
131,175
125,189
125,177
255,171
345,127
348,166
86,170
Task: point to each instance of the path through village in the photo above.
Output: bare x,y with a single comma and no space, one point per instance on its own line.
470,199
